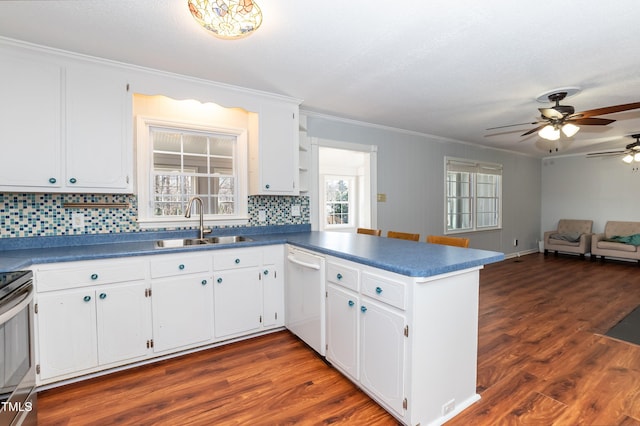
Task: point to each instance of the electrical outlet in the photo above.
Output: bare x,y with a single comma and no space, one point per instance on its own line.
262,216
515,242
77,220
448,407
295,210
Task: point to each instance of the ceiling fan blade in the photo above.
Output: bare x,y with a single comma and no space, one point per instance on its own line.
607,110
605,153
513,125
534,130
550,113
594,121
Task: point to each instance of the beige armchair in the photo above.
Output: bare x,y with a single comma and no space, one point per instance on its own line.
571,236
604,245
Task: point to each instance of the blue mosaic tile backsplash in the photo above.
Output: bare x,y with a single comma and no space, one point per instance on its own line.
40,215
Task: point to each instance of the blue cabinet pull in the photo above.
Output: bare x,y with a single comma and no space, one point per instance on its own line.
103,296
94,276
339,276
87,298
204,282
219,280
351,303
266,272
363,308
181,266
237,261
267,186
72,180
52,180
378,290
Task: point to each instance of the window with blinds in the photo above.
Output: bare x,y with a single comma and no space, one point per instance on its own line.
473,195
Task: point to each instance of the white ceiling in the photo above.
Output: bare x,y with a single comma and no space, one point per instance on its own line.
450,68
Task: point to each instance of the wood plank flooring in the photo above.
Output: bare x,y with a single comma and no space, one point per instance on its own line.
543,360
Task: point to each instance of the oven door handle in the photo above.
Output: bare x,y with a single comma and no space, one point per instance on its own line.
17,303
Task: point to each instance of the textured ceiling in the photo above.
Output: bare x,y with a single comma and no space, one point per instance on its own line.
446,68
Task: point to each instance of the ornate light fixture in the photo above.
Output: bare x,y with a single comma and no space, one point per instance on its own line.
551,132
227,19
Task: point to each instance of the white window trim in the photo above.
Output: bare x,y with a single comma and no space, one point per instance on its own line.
144,163
351,203
477,167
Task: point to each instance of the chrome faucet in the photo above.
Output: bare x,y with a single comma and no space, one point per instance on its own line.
187,214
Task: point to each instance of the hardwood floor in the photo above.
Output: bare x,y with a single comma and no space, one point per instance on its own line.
543,360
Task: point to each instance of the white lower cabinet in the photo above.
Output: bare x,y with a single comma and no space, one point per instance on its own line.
409,342
99,314
182,311
238,301
81,329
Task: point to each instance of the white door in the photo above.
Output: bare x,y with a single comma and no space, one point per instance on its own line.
182,311
124,322
67,332
238,301
382,352
342,329
99,139
273,290
30,122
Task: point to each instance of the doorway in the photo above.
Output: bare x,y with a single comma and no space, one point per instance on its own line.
345,186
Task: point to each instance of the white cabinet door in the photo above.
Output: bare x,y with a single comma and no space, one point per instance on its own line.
124,322
99,142
273,291
343,307
30,122
182,310
67,332
382,350
238,301
277,160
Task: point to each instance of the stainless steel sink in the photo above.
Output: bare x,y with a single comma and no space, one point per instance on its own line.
188,242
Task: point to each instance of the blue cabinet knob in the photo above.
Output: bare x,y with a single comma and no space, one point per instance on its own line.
339,276
237,261
351,303
266,272
378,290
363,308
52,180
219,280
103,296
94,276
203,282
181,266
87,298
267,186
72,180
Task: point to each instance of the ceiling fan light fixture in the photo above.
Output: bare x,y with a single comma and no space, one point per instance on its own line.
628,158
636,157
549,133
227,19
570,129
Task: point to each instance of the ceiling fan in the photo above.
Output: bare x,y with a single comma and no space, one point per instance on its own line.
564,118
630,153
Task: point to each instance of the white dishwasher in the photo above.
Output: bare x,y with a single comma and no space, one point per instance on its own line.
305,298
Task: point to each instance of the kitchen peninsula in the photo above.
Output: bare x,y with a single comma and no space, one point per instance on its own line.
413,322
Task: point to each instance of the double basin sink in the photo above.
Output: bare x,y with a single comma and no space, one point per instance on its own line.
189,242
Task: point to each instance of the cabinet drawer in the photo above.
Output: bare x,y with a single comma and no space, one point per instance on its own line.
231,259
342,275
95,274
179,266
384,289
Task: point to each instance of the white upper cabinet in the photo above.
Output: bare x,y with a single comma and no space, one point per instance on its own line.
30,122
65,124
273,158
99,137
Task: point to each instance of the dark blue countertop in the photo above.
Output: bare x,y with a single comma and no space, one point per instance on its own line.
416,259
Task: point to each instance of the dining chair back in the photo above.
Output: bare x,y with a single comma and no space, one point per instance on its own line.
448,241
376,232
403,236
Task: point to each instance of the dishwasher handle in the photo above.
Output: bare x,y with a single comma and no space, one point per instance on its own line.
293,259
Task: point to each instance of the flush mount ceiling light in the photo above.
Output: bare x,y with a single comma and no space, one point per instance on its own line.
227,19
